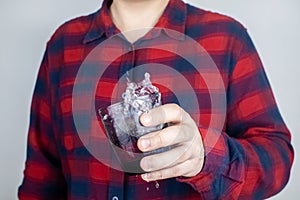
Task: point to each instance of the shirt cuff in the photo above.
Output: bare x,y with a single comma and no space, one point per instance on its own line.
215,160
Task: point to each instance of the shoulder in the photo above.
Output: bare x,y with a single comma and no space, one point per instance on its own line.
209,22
73,28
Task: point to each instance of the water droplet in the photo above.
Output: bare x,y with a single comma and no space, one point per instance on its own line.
156,184
147,188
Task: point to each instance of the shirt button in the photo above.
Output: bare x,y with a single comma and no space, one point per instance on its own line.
115,198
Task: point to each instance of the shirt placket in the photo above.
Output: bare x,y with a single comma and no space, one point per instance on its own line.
116,185
128,62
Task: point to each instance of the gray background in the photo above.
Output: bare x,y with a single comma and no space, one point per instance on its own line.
27,25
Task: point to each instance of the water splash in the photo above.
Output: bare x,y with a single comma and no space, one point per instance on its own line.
156,185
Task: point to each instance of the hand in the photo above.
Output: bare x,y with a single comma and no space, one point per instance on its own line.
187,153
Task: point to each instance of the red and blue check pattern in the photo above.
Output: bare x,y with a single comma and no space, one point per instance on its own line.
250,160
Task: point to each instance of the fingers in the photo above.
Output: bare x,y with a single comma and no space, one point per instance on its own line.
166,137
178,154
163,160
163,114
185,158
188,168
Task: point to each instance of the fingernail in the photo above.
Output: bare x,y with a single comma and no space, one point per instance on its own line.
146,119
145,177
144,164
145,143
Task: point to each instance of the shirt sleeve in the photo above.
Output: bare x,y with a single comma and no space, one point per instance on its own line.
43,177
252,158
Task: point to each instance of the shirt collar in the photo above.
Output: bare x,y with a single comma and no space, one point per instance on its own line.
172,21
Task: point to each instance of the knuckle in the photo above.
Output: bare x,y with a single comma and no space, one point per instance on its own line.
160,139
186,155
185,134
160,175
157,141
177,110
199,147
191,162
157,175
175,106
164,137
180,135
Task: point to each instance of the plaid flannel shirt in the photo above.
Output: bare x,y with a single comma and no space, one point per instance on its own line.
250,160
